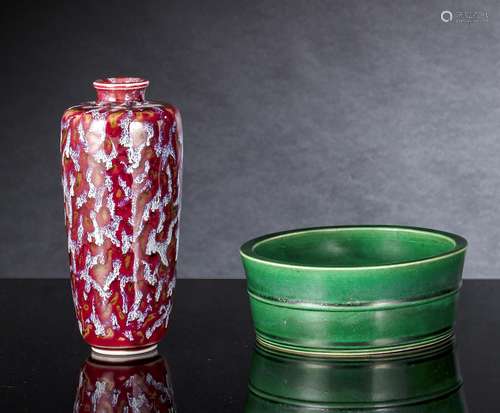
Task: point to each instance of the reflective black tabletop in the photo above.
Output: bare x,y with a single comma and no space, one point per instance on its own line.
208,359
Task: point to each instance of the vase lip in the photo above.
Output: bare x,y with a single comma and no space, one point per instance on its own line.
121,83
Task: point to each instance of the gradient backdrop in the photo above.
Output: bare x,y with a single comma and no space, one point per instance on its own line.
296,114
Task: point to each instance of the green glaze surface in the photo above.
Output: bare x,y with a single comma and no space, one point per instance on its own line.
353,288
421,382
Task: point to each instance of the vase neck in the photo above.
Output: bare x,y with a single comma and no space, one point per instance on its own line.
121,89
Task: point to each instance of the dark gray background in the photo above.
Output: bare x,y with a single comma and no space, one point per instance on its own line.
296,114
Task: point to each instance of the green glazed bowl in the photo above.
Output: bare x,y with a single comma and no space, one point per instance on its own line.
344,291
418,382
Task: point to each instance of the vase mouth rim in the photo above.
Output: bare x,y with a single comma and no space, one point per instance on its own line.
121,83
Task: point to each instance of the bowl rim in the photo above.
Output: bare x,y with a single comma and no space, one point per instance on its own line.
247,249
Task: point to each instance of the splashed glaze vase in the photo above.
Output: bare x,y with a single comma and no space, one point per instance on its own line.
121,176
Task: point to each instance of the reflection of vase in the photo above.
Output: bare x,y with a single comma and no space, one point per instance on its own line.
425,382
142,386
121,175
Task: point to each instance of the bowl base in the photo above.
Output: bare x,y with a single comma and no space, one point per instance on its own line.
436,341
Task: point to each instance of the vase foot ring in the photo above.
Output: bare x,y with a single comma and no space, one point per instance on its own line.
124,352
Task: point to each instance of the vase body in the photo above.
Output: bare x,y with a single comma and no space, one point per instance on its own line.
121,177
126,387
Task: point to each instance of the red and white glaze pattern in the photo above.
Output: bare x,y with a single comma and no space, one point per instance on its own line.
121,175
128,388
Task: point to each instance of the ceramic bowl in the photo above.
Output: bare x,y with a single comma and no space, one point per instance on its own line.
353,290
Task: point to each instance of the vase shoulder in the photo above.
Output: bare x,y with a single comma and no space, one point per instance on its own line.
155,110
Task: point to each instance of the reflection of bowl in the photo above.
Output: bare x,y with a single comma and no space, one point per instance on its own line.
425,382
344,290
133,386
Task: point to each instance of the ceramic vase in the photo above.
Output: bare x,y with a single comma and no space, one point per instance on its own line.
121,177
